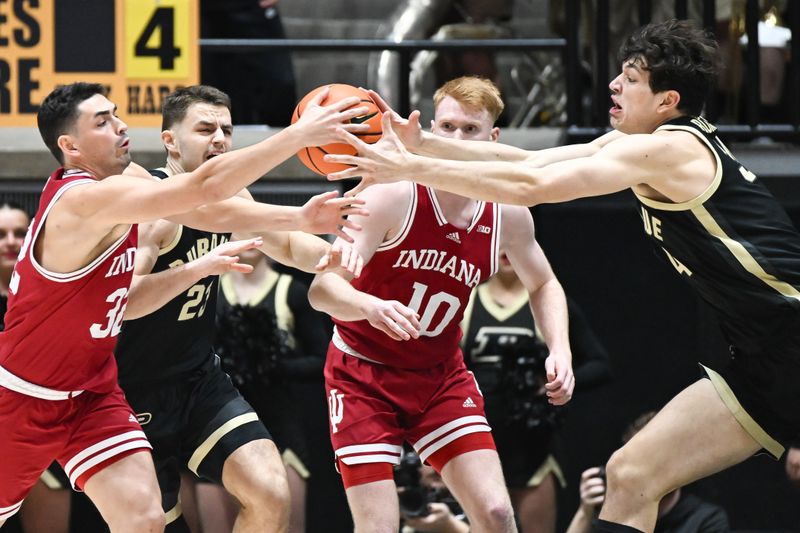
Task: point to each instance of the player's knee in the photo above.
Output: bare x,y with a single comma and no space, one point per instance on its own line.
626,474
269,489
139,510
495,513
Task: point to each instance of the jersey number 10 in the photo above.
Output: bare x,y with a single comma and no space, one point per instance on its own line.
426,317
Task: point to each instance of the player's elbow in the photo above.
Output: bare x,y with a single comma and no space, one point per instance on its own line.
316,295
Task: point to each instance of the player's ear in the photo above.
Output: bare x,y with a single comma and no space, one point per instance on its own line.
494,135
433,125
67,145
670,100
168,138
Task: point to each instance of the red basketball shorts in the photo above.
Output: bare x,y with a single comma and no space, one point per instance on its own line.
85,434
375,408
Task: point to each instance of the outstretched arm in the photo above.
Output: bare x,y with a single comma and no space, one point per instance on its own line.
547,299
323,213
421,142
617,166
125,199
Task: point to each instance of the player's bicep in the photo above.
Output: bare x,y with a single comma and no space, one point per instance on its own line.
151,239
526,256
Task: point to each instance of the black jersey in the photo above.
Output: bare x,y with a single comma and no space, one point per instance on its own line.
177,338
734,244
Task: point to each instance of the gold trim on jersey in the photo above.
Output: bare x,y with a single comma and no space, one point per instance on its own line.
407,222
774,447
499,312
226,283
467,318
290,459
51,481
168,248
702,197
174,513
742,255
283,314
202,451
550,465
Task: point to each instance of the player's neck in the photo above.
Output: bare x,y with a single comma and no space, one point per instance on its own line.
458,210
173,167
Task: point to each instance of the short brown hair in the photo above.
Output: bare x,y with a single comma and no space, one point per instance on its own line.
472,92
177,103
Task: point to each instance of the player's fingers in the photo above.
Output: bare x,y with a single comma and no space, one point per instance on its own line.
359,266
241,267
352,262
347,173
319,97
413,118
352,140
348,114
390,331
323,262
363,184
342,235
328,197
398,328
342,105
590,472
550,368
356,128
380,102
347,223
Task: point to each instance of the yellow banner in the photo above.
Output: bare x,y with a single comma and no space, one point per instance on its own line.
141,49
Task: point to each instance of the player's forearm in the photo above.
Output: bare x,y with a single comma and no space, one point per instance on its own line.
293,248
462,150
493,181
333,295
237,214
549,306
151,292
581,522
225,175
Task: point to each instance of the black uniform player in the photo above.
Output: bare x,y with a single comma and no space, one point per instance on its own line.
505,352
187,406
173,381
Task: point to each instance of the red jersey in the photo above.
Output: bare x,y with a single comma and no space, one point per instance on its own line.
61,328
431,266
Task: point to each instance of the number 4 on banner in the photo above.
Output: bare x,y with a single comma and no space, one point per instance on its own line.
157,38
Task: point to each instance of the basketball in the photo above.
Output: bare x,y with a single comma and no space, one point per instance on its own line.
311,156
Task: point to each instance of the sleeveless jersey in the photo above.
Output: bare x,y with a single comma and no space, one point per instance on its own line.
734,244
431,266
177,338
61,327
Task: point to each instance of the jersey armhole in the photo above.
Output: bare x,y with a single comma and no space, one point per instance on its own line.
406,225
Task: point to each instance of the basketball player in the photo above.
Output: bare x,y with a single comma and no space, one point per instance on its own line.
59,397
394,371
188,407
711,219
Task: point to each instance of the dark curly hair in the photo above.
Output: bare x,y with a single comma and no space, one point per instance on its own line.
679,57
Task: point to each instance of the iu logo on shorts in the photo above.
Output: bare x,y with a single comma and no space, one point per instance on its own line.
335,408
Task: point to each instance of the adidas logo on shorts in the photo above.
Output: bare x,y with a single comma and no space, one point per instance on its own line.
454,237
468,403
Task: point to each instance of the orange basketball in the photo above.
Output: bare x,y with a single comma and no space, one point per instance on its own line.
312,156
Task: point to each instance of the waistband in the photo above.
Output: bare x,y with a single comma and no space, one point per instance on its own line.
343,346
17,384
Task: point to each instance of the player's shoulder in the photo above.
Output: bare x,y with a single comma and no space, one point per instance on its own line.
158,233
385,195
514,213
